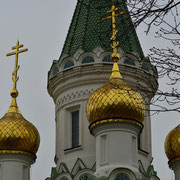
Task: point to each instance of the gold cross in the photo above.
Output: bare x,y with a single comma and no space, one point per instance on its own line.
115,43
15,78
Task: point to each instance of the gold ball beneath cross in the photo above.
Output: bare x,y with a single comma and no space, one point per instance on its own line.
115,57
14,93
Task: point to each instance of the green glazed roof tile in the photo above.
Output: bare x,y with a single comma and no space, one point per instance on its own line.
87,30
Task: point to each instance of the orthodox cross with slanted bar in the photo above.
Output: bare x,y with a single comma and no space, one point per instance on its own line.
15,78
115,43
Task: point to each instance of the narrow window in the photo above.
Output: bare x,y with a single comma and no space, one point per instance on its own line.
103,148
75,129
134,147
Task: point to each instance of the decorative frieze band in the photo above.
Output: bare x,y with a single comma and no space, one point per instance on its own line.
75,96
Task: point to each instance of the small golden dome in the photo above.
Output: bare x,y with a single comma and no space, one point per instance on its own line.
17,135
115,101
172,145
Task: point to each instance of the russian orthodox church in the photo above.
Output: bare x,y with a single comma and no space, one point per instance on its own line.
103,124
102,86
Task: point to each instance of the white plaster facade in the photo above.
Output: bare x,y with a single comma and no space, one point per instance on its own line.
70,89
116,147
15,166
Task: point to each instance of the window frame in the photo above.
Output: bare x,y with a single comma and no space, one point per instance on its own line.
65,175
129,61
104,59
122,170
55,71
82,173
121,173
71,64
83,62
68,128
73,141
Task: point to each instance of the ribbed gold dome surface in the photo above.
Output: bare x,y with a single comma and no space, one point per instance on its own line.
17,135
172,144
115,100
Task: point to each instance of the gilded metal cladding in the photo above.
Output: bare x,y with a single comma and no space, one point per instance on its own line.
17,135
172,144
115,100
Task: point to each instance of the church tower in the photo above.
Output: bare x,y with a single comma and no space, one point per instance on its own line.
19,139
84,66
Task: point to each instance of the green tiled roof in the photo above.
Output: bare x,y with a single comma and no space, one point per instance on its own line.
87,30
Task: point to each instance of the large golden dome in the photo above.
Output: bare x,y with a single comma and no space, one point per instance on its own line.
115,101
172,145
17,135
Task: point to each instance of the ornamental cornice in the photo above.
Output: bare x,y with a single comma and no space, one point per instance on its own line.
17,157
149,81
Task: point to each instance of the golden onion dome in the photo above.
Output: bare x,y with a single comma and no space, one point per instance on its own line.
17,135
114,102
172,145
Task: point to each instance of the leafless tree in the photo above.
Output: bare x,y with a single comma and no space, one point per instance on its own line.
162,17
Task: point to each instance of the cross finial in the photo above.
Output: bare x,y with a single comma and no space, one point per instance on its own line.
15,78
115,56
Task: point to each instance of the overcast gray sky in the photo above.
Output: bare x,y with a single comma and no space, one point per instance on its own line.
42,25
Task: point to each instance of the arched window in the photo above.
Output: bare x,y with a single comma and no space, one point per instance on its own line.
129,61
68,64
145,67
55,70
87,59
122,176
64,178
107,59
84,177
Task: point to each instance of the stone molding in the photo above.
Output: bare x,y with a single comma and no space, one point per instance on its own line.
149,82
98,53
17,157
120,126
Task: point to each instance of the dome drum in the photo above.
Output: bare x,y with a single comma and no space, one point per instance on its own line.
115,121
132,126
